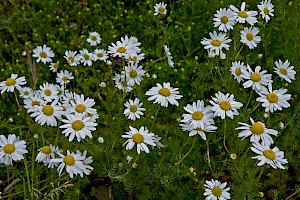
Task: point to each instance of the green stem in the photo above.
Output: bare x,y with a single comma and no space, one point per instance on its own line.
224,139
249,99
155,116
28,178
180,161
17,99
208,158
259,176
297,191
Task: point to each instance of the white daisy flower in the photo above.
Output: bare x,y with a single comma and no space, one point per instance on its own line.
249,37
55,151
72,58
77,125
134,57
67,98
224,19
217,42
243,16
82,105
121,82
256,79
266,155
199,115
169,56
48,92
134,73
199,131
43,54
139,137
157,142
11,149
164,94
11,83
160,8
93,116
121,48
86,161
215,190
133,109
274,99
100,54
86,57
47,114
54,66
25,92
257,131
46,153
237,69
64,77
94,38
133,41
284,70
225,105
266,9
73,162
33,101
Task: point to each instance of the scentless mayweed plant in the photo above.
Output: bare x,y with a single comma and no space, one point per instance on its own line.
150,99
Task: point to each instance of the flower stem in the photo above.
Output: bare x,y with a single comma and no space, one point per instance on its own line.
208,158
262,170
17,99
224,139
180,161
155,116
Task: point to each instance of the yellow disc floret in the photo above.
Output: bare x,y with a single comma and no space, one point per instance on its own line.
216,43
46,150
133,108
133,73
138,138
270,154
242,14
283,71
9,148
164,92
43,55
257,128
198,115
77,125
80,108
48,110
10,82
238,71
216,191
69,160
224,19
249,36
272,98
121,50
225,105
255,77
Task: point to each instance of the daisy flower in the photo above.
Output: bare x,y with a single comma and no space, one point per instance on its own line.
164,94
25,92
121,82
47,114
81,105
217,42
243,16
43,54
33,101
225,105
134,57
157,142
133,109
48,91
200,131
11,149
72,58
86,161
121,48
64,77
11,83
160,8
284,70
73,162
86,57
257,131
266,155
256,79
215,190
266,9
77,125
169,56
46,153
199,115
249,37
100,54
273,99
94,38
139,137
134,73
237,69
224,19
54,66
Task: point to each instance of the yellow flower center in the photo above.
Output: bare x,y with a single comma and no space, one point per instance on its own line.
133,58
138,138
216,191
266,11
100,55
161,10
80,108
249,36
86,56
198,115
43,55
225,105
238,71
133,73
69,160
35,103
224,19
242,14
48,110
255,77
47,92
10,82
71,59
77,125
272,98
64,79
55,66
9,148
124,83
26,93
270,154
121,50
94,38
133,108
216,43
283,71
46,150
198,129
59,92
257,128
164,92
